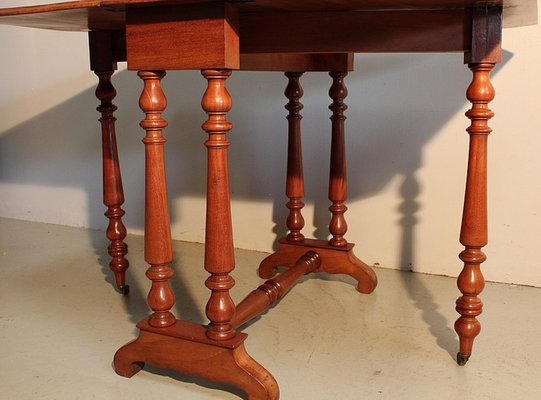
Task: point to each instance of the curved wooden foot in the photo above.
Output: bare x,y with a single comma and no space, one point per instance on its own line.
335,260
185,348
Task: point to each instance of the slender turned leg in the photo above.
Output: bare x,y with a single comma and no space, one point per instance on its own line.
473,234
336,254
295,179
337,178
113,194
219,258
158,252
215,352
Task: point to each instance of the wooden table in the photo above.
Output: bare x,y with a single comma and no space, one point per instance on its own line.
279,35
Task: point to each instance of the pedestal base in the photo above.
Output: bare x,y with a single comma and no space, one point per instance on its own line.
335,260
185,348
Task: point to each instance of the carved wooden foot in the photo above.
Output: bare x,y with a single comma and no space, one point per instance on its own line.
185,348
334,260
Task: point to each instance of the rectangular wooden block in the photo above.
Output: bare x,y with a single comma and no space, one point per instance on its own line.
191,37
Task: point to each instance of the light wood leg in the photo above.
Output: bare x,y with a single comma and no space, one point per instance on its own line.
474,232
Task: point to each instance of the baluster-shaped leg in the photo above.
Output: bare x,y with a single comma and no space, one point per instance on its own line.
113,194
158,252
337,180
473,234
295,178
219,258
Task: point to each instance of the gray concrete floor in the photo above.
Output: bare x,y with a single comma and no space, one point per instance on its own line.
61,322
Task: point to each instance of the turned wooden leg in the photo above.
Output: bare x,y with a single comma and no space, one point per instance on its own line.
473,234
295,179
215,352
336,254
113,194
219,258
337,177
158,252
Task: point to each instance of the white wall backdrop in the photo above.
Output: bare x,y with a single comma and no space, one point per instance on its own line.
405,131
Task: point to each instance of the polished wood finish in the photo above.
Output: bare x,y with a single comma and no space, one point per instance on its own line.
185,348
473,234
337,177
334,260
268,294
113,193
219,257
103,63
279,35
190,37
158,252
343,260
215,352
486,51
295,178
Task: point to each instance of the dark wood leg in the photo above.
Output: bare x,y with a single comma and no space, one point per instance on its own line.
113,194
337,178
337,254
295,178
214,352
473,234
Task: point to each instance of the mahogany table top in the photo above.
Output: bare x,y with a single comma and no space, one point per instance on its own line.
83,15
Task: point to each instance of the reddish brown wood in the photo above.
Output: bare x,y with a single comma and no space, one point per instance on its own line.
219,258
334,260
158,252
190,37
338,180
268,294
204,34
296,62
473,234
358,31
113,193
185,348
337,255
295,178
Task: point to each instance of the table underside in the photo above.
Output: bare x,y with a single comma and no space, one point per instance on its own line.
84,15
